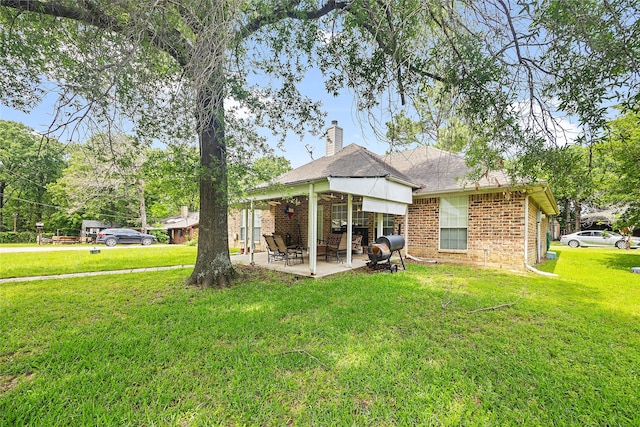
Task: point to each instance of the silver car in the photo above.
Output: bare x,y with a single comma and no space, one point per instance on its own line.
598,238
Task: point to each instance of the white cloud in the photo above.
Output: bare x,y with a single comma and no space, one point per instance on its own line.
557,129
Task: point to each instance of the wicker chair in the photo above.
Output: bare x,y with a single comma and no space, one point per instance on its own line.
336,245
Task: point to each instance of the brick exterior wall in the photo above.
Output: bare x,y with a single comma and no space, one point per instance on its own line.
537,241
495,233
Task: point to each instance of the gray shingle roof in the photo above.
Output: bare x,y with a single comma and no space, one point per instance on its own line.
352,161
430,170
440,171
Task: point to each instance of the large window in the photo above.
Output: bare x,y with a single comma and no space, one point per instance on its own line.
454,212
339,216
257,220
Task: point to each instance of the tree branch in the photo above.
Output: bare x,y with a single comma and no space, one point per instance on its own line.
495,307
287,10
173,44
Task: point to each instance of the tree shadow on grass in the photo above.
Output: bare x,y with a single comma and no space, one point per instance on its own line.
623,260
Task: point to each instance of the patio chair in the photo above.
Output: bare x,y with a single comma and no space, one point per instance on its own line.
273,253
291,254
356,244
336,244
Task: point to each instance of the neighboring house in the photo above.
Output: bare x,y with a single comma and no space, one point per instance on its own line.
182,228
90,229
421,194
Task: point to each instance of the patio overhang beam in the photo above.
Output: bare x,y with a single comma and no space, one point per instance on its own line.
290,190
380,187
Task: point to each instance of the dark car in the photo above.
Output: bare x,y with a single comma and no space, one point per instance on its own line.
113,236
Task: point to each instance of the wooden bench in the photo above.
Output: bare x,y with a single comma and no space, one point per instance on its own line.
64,240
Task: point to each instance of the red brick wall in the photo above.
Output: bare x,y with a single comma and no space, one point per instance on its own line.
495,232
496,228
534,237
235,226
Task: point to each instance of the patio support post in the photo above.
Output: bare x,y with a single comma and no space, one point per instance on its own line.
349,228
380,225
251,242
246,230
312,241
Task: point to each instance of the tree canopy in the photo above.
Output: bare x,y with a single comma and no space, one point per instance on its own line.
171,67
28,163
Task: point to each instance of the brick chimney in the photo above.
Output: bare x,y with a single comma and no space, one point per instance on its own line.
334,138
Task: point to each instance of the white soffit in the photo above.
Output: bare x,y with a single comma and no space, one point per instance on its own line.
383,206
377,188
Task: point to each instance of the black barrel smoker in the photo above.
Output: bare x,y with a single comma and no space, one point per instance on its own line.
380,252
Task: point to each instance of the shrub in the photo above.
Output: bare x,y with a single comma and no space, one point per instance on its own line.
19,237
161,235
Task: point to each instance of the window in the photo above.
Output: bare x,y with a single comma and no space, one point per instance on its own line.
360,217
257,221
339,216
387,224
454,212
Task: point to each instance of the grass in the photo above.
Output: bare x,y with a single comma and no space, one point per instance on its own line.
23,264
352,349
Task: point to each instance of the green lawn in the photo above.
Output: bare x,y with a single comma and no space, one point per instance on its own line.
352,349
72,261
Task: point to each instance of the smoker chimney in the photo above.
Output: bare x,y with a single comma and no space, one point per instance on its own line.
334,138
184,211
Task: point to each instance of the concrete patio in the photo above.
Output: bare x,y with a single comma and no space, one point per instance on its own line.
323,268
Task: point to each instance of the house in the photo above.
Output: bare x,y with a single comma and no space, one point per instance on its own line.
421,194
90,229
183,227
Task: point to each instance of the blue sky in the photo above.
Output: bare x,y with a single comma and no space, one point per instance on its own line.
356,126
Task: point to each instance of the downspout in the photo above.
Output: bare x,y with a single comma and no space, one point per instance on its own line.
406,237
526,242
538,241
526,230
349,229
251,241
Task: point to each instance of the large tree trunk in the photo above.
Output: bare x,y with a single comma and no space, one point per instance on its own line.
577,206
213,264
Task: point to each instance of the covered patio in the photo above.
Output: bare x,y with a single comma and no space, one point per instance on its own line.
311,202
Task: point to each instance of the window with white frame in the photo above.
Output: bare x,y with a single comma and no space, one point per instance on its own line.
454,212
257,220
388,221
339,216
